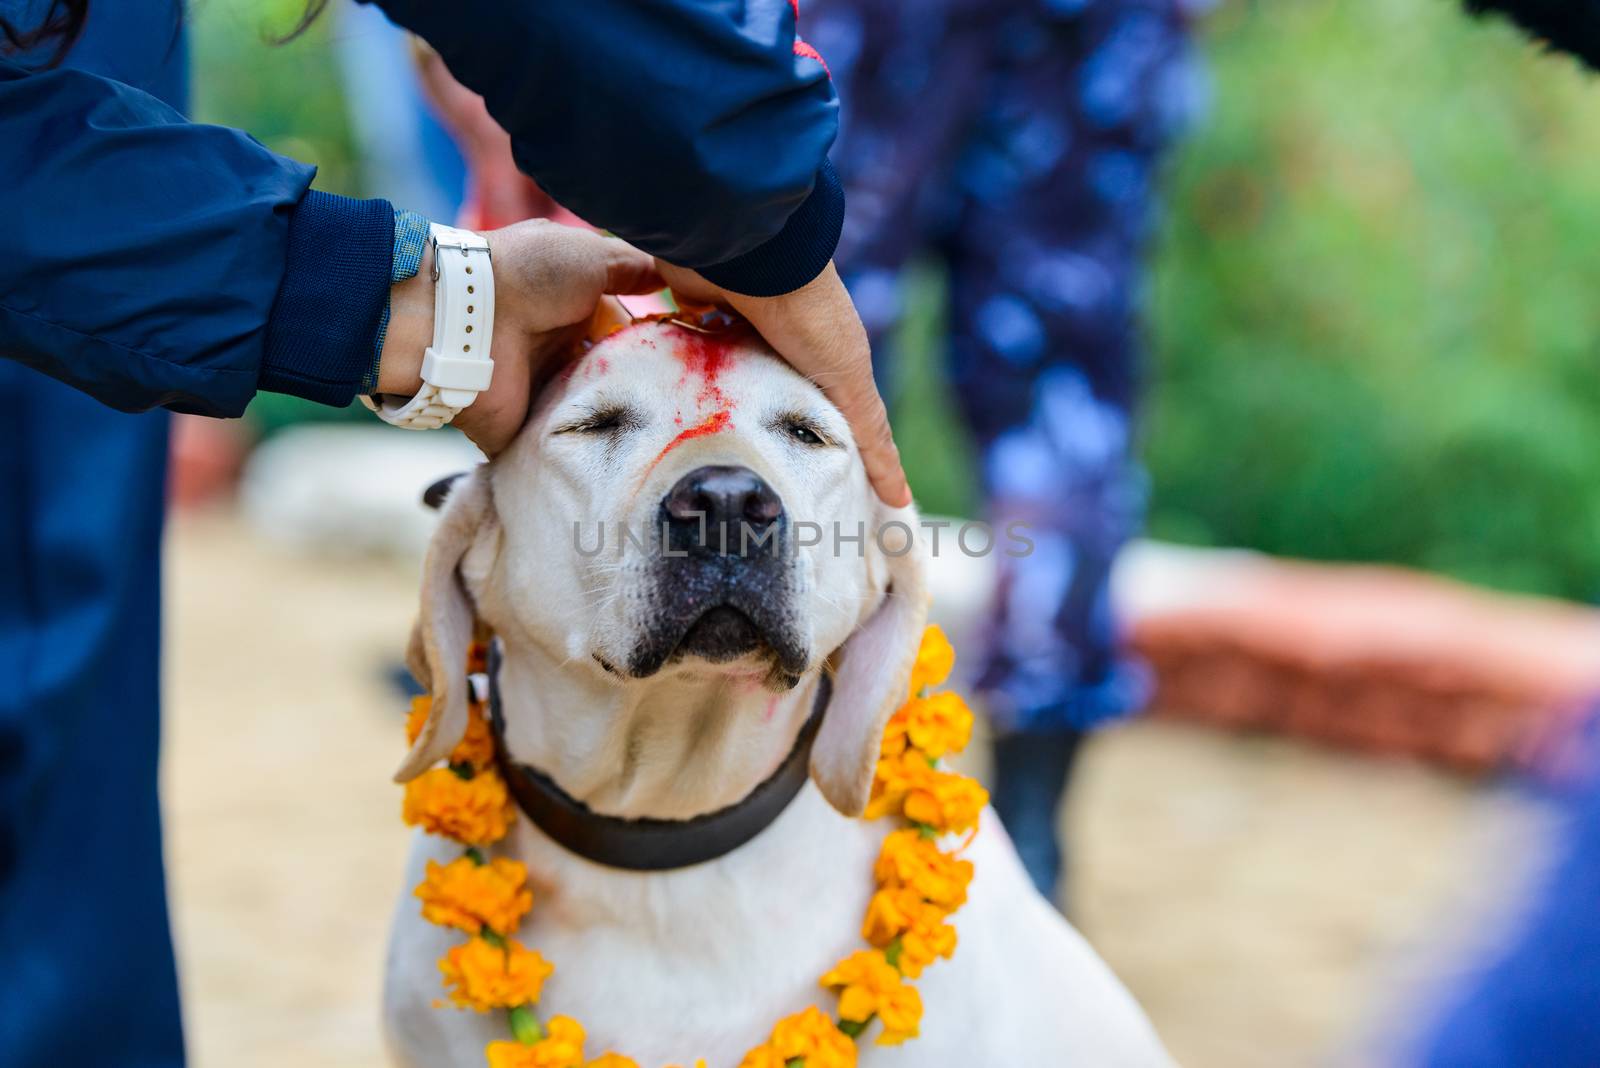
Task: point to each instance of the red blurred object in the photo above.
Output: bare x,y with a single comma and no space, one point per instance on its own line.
207,455
1376,659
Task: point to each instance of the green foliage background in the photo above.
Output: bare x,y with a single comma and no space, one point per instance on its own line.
1373,307
290,97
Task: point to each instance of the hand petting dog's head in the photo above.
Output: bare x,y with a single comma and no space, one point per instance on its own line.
682,502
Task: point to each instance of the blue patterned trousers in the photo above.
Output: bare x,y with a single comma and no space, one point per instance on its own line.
1017,142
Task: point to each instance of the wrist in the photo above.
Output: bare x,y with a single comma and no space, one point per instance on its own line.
455,366
410,331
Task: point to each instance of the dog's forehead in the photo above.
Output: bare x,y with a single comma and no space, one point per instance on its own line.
700,373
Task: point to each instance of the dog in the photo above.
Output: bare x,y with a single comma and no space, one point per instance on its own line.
660,677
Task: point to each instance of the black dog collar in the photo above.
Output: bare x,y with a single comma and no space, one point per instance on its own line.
650,844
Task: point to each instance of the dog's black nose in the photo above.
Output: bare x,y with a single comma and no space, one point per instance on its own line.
715,504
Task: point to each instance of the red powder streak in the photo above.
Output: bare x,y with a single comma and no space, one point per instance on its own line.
706,356
715,423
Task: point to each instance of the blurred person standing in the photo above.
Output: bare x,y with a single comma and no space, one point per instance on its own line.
153,263
83,918
1018,143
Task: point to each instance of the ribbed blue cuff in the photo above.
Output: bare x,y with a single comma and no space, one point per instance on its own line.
797,254
411,233
332,298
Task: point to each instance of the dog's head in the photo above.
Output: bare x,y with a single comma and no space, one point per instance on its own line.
682,502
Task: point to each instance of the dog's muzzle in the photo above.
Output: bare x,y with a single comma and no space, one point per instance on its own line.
723,581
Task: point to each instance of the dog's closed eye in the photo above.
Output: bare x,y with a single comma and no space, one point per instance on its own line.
803,430
603,419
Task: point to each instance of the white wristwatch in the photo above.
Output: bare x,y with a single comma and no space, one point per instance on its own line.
456,367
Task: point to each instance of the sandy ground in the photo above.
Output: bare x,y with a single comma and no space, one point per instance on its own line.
1266,902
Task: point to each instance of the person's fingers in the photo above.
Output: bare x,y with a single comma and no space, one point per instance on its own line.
817,329
849,383
869,421
627,270
688,286
495,416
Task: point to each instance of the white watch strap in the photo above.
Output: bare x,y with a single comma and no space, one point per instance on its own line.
457,366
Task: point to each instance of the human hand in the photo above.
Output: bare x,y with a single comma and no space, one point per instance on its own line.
817,330
548,280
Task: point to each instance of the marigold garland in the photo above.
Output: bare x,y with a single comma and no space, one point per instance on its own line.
919,886
483,974
470,895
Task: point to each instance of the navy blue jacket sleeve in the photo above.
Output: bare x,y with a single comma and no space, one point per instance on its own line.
697,130
150,261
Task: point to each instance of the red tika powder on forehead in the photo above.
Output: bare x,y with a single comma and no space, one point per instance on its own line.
715,423
705,357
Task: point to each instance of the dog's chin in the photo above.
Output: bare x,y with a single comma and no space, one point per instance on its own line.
723,636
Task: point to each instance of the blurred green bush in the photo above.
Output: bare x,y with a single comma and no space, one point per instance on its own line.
1374,307
289,97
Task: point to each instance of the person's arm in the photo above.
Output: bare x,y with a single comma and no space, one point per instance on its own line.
150,261
697,131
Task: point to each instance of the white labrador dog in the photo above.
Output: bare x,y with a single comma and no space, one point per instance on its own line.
663,684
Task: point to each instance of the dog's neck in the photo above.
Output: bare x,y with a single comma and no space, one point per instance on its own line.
679,745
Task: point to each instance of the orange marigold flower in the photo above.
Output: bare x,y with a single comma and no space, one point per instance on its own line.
476,746
935,658
909,860
476,811
894,780
561,1047
808,1034
927,939
935,725
507,1055
919,925
612,1060
946,802
763,1056
482,976
473,896
911,786
869,986
889,915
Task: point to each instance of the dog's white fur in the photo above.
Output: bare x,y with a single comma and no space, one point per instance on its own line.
700,962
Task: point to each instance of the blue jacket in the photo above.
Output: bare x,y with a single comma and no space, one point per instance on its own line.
151,261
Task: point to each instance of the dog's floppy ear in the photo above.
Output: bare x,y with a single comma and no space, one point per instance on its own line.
873,672
437,654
